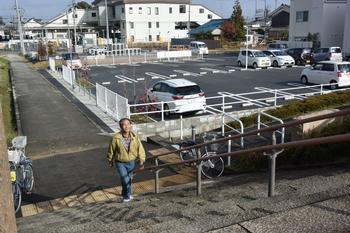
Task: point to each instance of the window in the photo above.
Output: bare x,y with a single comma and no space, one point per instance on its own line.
123,10
130,10
149,24
123,25
114,13
182,9
158,37
65,21
140,10
328,67
131,25
93,14
243,53
250,54
149,11
302,16
164,87
318,67
150,38
170,10
210,16
156,10
132,38
201,11
156,87
157,24
75,15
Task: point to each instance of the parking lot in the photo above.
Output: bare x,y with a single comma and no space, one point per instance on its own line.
214,73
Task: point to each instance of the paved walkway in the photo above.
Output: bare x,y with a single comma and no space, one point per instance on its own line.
68,149
313,200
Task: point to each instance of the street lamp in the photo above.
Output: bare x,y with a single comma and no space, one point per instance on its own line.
246,51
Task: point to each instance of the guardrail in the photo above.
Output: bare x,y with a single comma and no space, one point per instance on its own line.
260,123
272,157
233,119
7,213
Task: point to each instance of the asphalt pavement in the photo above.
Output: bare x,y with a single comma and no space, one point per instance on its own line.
68,150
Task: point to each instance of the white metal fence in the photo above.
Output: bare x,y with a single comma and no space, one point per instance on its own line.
110,102
52,64
68,75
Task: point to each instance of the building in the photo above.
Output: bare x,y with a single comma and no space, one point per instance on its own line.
323,17
346,40
152,20
279,26
213,27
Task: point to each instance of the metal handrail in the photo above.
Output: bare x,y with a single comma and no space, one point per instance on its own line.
255,132
273,118
233,129
307,142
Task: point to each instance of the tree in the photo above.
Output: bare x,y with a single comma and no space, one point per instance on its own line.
314,38
204,36
41,50
238,20
229,30
83,5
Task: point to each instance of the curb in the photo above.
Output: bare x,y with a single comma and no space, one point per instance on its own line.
15,103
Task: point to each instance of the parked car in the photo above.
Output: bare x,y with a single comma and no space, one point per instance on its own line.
327,54
279,46
256,58
71,61
198,47
179,95
302,56
327,72
279,58
97,50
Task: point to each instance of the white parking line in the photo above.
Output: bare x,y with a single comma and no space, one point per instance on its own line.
187,73
156,76
122,80
215,71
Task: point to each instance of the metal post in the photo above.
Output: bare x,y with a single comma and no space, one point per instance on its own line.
223,104
199,174
156,185
272,168
74,28
20,29
259,121
321,89
181,128
162,109
106,106
113,59
246,51
129,56
107,26
223,125
193,133
145,57
275,98
229,144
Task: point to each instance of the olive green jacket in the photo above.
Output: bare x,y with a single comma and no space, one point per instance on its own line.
118,152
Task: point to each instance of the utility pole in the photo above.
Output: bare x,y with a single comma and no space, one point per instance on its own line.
20,29
75,27
189,17
107,26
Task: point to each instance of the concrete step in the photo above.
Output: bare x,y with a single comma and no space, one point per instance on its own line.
226,202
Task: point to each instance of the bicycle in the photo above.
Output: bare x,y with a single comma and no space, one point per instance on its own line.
211,168
21,170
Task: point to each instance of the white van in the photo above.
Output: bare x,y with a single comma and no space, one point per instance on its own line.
256,58
198,47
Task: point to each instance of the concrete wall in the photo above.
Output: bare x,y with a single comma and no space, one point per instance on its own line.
171,129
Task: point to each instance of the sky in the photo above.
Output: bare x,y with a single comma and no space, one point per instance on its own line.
46,9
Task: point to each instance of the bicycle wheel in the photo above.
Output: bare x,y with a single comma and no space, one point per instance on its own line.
187,154
29,178
17,196
214,167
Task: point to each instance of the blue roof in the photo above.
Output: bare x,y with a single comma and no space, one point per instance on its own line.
208,27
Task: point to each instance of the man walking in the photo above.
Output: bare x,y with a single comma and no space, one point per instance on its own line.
124,149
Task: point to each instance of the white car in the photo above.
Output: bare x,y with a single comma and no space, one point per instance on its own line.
198,47
71,60
279,58
178,95
327,72
256,59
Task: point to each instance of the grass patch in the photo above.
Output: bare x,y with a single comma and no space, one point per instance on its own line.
7,101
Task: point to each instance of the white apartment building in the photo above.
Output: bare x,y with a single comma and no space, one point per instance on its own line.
325,17
346,41
153,20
